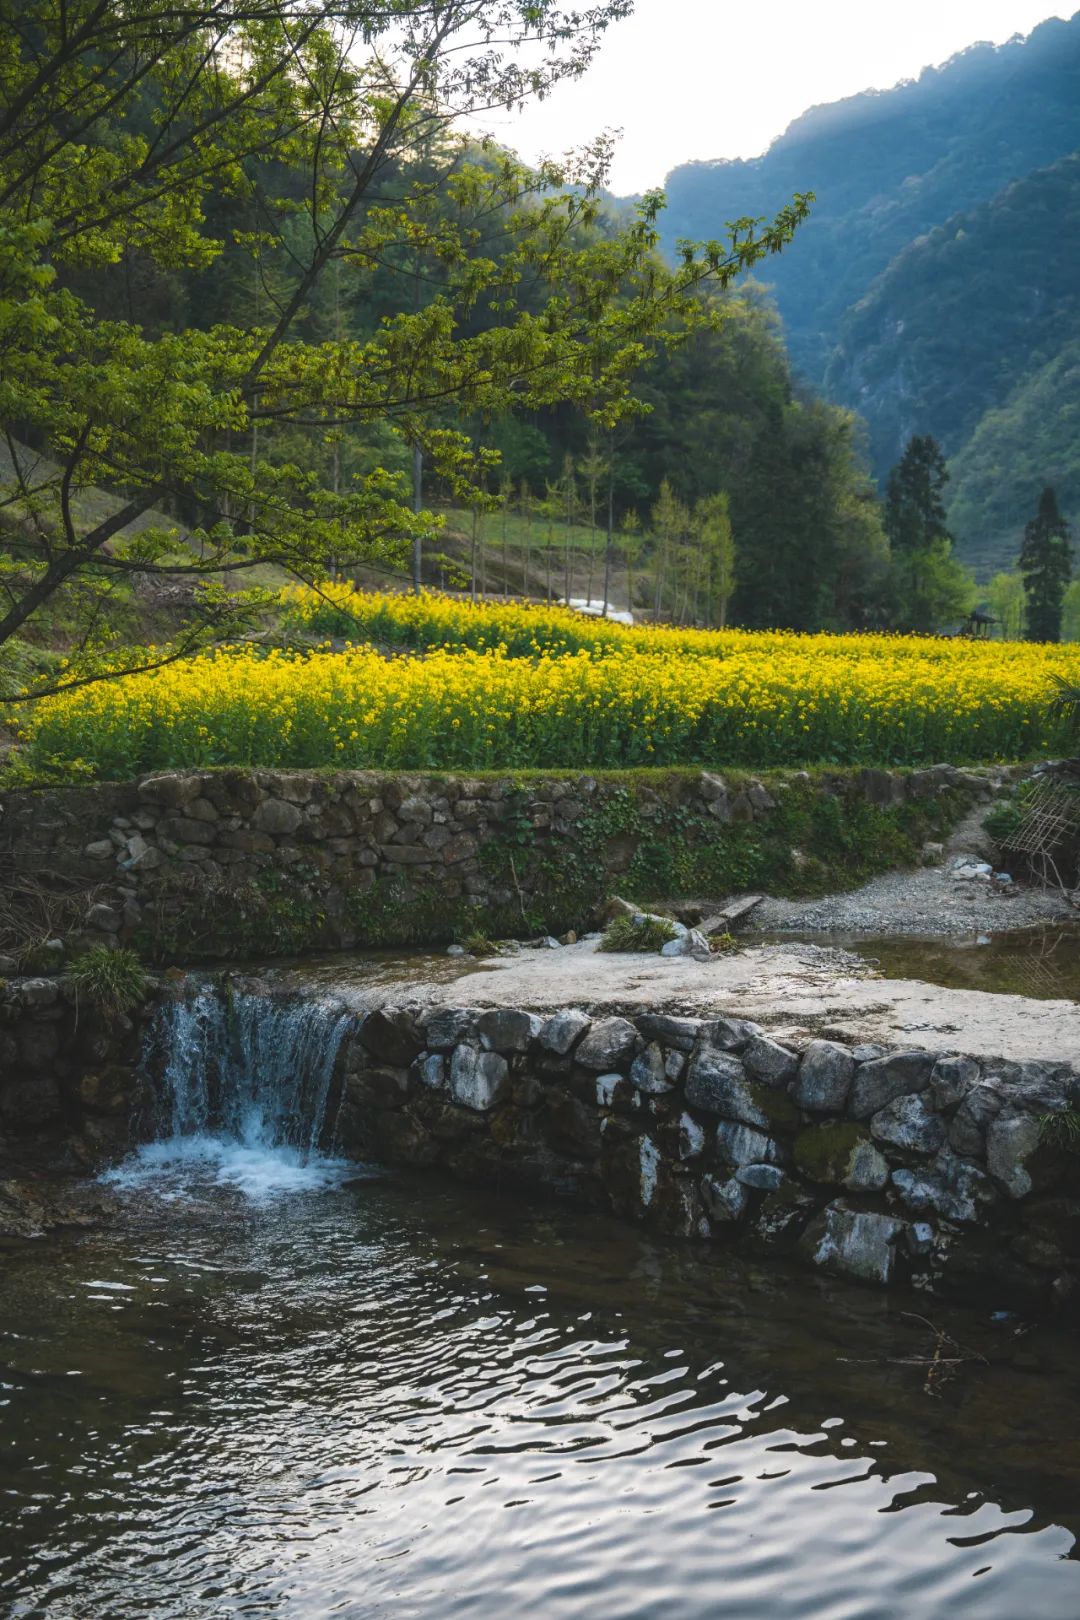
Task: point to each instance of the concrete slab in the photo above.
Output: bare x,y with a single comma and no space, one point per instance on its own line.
797,990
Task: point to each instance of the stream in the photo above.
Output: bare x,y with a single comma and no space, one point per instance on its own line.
282,1385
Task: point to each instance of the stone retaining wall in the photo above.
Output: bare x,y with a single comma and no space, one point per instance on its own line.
67,1078
883,1165
203,865
915,1166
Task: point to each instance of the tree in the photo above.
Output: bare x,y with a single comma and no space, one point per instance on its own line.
712,522
929,586
726,415
124,128
670,524
1005,599
1070,613
1046,568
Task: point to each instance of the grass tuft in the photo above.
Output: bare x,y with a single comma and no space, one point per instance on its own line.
639,933
111,981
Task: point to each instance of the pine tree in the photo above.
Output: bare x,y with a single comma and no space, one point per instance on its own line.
914,509
929,585
1046,566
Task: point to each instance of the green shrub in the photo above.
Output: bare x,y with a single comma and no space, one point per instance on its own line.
640,933
1061,1130
112,981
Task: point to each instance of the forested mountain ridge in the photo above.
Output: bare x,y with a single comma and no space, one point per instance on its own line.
936,278
970,331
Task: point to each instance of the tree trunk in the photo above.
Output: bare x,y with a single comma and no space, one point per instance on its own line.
417,506
610,527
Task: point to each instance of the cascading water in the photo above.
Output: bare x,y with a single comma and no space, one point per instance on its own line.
243,1089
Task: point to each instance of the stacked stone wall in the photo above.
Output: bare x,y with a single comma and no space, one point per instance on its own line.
204,865
886,1165
67,1078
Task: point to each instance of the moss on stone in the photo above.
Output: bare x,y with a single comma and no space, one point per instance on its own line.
776,1105
823,1152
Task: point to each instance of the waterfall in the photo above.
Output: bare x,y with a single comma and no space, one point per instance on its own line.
242,1086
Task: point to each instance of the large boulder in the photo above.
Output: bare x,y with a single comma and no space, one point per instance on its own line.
980,1107
561,1032
953,1187
447,1027
951,1080
277,817
1012,1140
390,1034
768,1061
680,1033
649,1072
730,1034
504,1029
740,1145
725,1201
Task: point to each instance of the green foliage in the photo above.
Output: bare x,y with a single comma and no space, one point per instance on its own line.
1070,612
271,914
1004,819
641,933
1046,568
1024,437
929,588
273,406
112,981
727,418
1005,600
1061,1130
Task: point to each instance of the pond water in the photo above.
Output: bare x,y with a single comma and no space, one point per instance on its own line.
283,1387
1043,963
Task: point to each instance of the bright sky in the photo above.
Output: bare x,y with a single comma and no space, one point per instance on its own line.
721,78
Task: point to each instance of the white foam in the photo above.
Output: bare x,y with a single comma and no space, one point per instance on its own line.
173,1168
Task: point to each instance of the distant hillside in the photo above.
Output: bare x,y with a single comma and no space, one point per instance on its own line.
974,332
937,277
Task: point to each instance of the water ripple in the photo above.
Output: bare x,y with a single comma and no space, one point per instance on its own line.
344,1404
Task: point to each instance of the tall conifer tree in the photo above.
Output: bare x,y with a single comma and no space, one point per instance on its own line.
1046,566
929,585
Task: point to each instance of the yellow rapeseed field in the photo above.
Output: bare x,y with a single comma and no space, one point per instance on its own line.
430,621
649,697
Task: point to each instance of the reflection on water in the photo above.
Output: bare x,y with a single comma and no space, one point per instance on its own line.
1040,962
399,1398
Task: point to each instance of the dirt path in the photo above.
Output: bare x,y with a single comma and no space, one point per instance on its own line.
929,900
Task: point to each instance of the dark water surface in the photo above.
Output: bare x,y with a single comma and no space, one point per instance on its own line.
1043,963
400,1398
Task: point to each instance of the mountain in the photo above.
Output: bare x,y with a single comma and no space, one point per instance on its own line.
974,330
935,286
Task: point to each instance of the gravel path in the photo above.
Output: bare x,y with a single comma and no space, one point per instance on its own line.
929,900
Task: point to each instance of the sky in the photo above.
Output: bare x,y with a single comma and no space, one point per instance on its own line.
688,79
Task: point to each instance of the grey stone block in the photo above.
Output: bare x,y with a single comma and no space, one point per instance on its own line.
876,1084
908,1123
826,1071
